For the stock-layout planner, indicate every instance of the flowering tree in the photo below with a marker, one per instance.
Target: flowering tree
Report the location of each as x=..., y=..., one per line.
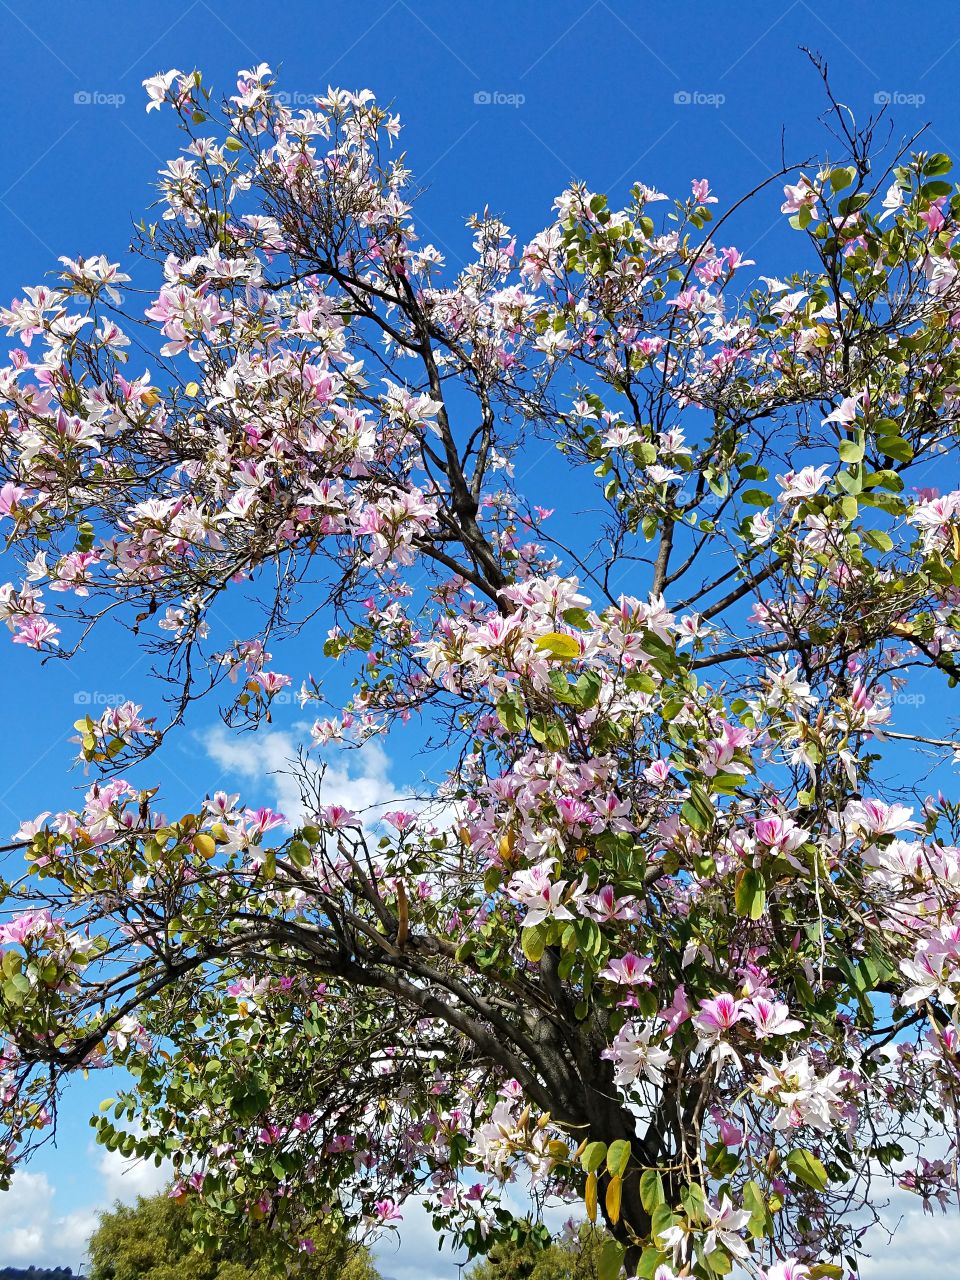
x=661, y=939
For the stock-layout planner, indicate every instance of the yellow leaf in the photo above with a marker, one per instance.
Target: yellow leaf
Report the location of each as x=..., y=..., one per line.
x=613, y=1197
x=205, y=845
x=559, y=645
x=508, y=843
x=590, y=1197
x=192, y=389
x=150, y=397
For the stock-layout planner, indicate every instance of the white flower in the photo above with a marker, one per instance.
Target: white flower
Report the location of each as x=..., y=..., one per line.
x=725, y=1225
x=542, y=897
x=796, y=485
x=803, y=1097
x=634, y=1055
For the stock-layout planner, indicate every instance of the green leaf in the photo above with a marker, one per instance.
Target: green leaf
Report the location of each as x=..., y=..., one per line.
x=661, y=1220
x=611, y=1260
x=592, y=1156
x=877, y=539
x=851, y=451
x=299, y=854
x=492, y=879
x=651, y=1190
x=750, y=894
x=885, y=479
x=697, y=811
x=719, y=1262
x=842, y=178
x=760, y=1223
x=937, y=164
x=650, y=1259
x=895, y=447
x=533, y=941
x=550, y=732
x=578, y=618
x=756, y=497
x=691, y=1198
x=587, y=690
x=511, y=713
x=805, y=1166
x=618, y=1158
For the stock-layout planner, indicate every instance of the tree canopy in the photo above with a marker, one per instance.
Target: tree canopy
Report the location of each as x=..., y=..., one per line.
x=652, y=546
x=153, y=1240
x=577, y=1258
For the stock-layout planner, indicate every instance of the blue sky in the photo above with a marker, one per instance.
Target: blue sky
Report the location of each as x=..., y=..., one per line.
x=502, y=104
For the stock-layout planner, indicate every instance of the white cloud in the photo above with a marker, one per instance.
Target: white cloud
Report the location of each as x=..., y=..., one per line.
x=35, y=1230
x=124, y=1179
x=923, y=1247
x=357, y=778
x=412, y=1254
x=31, y=1231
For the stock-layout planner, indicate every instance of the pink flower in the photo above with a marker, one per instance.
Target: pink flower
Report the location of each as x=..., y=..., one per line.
x=542, y=896
x=933, y=216
x=846, y=413
x=875, y=818
x=604, y=905
x=780, y=836
x=658, y=773
x=400, y=819
x=10, y=496
x=677, y=1011
x=271, y=682
x=35, y=631
x=717, y=1016
x=387, y=1211
x=263, y=820
x=730, y=1134
x=701, y=191
x=800, y=196
x=629, y=970
x=337, y=817
x=573, y=812
x=771, y=1018
x=735, y=259
x=36, y=924
x=790, y=1269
